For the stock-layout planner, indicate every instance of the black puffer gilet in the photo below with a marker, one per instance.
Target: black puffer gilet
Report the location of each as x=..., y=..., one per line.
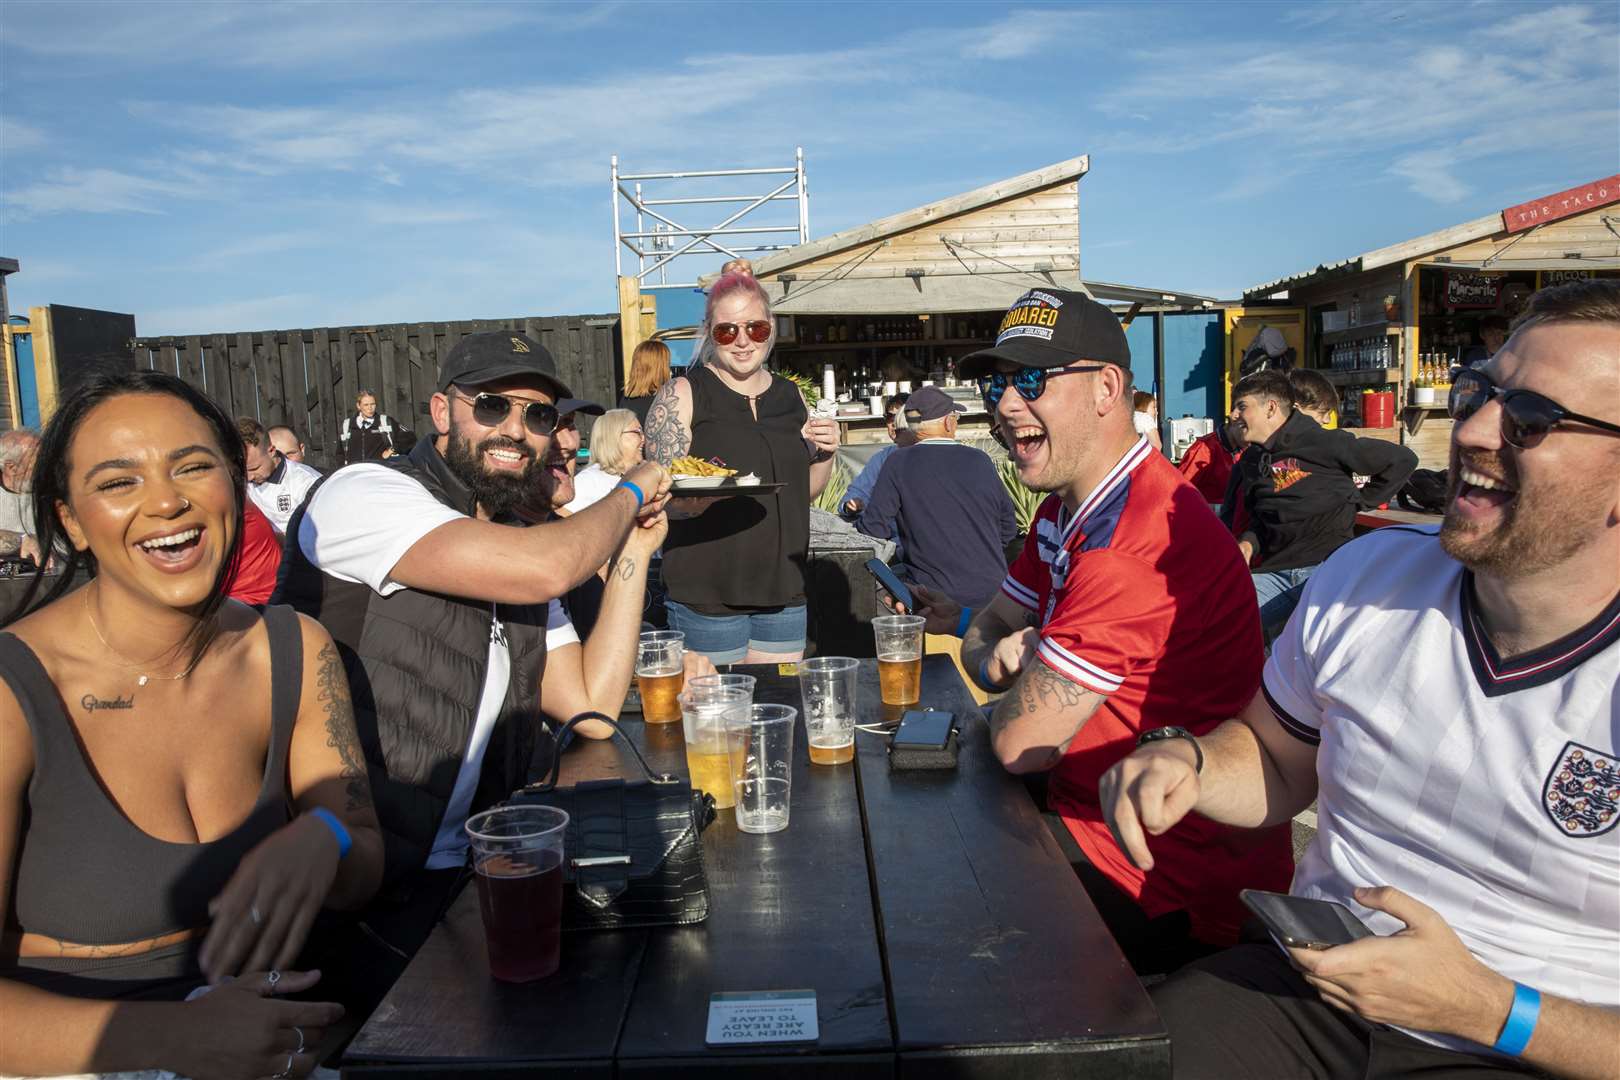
x=416, y=663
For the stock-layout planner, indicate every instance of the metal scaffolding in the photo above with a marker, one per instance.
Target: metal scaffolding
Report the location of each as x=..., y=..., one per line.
x=657, y=248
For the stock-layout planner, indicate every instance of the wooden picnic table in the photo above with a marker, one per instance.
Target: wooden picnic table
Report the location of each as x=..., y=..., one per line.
x=932, y=914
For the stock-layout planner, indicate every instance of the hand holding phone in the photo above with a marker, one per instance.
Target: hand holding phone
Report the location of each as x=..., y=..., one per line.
x=1302, y=922
x=890, y=584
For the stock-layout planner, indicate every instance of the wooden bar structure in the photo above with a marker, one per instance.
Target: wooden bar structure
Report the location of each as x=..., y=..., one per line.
x=1415, y=295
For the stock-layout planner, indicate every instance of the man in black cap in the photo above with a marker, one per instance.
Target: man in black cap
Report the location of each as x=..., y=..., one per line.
x=1129, y=616
x=441, y=608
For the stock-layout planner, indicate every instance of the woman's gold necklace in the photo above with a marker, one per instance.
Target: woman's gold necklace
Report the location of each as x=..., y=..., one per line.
x=90, y=611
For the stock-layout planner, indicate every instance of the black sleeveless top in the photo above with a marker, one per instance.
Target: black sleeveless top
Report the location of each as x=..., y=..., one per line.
x=86, y=874
x=745, y=554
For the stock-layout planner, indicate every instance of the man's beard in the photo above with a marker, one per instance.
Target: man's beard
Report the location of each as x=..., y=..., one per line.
x=1541, y=526
x=497, y=493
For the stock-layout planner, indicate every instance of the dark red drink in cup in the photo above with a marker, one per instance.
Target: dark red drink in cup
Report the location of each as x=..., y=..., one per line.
x=518, y=853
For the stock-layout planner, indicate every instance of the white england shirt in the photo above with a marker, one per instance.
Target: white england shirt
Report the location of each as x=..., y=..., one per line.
x=1486, y=788
x=283, y=491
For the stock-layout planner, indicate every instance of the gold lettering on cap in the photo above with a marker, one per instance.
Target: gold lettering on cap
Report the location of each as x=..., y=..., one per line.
x=519, y=345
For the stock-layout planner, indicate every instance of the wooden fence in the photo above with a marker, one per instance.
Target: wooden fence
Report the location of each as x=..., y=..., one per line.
x=309, y=378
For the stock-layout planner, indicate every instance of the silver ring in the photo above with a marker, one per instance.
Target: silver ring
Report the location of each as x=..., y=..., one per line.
x=272, y=977
x=253, y=913
x=284, y=1073
x=300, y=1032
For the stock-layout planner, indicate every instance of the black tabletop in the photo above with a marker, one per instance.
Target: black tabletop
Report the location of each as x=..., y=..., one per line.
x=932, y=914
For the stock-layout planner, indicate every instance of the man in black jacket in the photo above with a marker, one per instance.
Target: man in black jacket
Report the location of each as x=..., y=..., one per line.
x=1298, y=483
x=442, y=606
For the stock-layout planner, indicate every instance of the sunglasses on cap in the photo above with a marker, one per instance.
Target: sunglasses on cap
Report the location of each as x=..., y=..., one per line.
x=1028, y=381
x=491, y=410
x=1527, y=416
x=758, y=330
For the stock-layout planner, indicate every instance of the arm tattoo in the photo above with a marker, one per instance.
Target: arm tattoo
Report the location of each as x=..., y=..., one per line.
x=334, y=696
x=667, y=438
x=624, y=569
x=1038, y=689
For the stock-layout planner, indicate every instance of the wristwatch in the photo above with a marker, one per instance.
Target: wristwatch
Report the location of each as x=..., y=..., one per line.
x=1155, y=734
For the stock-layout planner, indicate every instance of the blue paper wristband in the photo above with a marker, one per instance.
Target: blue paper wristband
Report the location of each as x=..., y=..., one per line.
x=641, y=499
x=1521, y=1021
x=962, y=623
x=330, y=820
x=984, y=677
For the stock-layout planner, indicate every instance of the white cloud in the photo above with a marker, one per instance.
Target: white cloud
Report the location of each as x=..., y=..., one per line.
x=1432, y=106
x=16, y=135
x=253, y=313
x=359, y=35
x=99, y=191
x=1027, y=33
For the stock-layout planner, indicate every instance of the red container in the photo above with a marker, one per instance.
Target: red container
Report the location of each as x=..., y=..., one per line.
x=1378, y=408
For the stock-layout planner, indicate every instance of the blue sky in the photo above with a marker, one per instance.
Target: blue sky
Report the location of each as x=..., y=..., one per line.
x=221, y=167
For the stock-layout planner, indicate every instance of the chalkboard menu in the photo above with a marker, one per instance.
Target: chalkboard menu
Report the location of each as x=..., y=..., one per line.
x=1472, y=289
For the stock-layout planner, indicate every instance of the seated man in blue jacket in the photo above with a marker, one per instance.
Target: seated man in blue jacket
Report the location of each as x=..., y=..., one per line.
x=1298, y=483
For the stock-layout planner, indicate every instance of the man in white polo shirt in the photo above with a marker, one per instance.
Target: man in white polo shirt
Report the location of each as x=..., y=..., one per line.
x=1450, y=701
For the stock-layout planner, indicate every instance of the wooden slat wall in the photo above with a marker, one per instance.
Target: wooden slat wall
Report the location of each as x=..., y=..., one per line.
x=309, y=378
x=1585, y=233
x=1042, y=227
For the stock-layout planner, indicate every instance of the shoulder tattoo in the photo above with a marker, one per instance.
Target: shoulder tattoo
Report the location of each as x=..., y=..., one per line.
x=333, y=694
x=667, y=438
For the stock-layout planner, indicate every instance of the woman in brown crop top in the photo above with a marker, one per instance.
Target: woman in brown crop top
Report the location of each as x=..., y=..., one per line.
x=181, y=785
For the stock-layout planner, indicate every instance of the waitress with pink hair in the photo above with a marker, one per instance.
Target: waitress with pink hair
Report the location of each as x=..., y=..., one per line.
x=735, y=570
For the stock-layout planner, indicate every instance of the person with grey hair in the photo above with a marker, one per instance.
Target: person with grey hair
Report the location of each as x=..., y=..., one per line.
x=17, y=534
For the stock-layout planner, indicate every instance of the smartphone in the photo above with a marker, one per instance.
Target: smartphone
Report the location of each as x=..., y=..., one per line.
x=892, y=585
x=924, y=729
x=1300, y=922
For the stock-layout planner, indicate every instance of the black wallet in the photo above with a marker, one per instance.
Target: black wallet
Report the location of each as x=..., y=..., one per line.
x=925, y=740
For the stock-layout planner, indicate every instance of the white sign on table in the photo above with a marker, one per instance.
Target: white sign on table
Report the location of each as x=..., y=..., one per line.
x=762, y=1016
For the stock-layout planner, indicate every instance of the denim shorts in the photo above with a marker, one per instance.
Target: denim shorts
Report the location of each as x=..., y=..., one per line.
x=726, y=639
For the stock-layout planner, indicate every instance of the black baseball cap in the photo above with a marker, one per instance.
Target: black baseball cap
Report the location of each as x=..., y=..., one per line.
x=930, y=403
x=489, y=355
x=1048, y=328
x=578, y=405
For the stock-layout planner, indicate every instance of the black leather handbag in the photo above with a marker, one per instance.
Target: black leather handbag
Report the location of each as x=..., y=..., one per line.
x=633, y=851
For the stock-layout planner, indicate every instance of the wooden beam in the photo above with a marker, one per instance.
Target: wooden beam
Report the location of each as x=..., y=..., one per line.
x=39, y=320
x=13, y=392
x=1435, y=241
x=630, y=321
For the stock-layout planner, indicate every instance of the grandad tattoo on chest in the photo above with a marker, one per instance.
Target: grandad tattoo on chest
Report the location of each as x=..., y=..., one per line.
x=90, y=703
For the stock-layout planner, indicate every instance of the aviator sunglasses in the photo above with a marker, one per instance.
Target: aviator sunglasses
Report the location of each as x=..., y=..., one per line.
x=759, y=332
x=1527, y=416
x=491, y=410
x=1029, y=382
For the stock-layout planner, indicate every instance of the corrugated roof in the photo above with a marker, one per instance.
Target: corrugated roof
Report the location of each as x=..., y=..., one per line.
x=1439, y=240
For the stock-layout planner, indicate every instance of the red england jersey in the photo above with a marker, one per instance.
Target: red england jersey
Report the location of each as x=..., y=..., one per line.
x=257, y=559
x=1207, y=466
x=1141, y=596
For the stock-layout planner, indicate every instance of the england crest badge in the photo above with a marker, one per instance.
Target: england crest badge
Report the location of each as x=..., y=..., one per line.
x=1582, y=792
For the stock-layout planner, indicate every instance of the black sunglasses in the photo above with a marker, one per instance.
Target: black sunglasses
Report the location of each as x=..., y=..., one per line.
x=1527, y=416
x=491, y=410
x=1029, y=382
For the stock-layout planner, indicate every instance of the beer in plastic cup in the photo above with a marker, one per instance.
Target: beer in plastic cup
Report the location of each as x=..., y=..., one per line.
x=765, y=782
x=661, y=674
x=827, y=688
x=899, y=657
x=712, y=718
x=518, y=856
